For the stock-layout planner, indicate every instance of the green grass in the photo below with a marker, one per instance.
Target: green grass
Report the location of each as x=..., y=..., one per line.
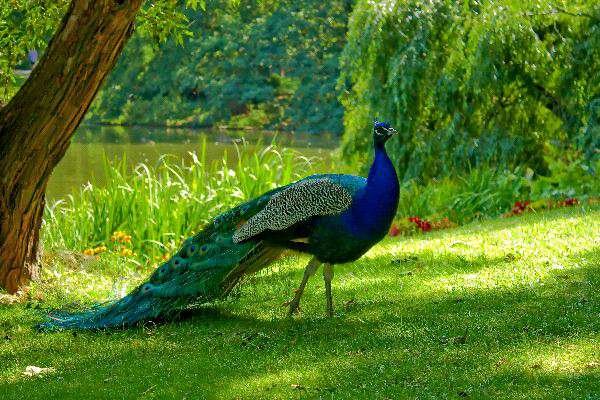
x=507, y=308
x=161, y=205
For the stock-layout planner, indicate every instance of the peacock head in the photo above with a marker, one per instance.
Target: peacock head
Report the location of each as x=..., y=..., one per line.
x=382, y=131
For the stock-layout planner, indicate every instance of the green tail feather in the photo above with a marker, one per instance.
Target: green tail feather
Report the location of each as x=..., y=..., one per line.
x=127, y=311
x=207, y=267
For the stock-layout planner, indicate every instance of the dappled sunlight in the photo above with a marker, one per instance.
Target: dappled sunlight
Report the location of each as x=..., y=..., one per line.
x=569, y=356
x=301, y=380
x=86, y=278
x=442, y=313
x=511, y=275
x=521, y=239
x=353, y=281
x=513, y=256
x=186, y=215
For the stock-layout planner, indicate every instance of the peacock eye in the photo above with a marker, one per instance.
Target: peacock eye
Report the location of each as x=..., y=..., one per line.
x=204, y=248
x=193, y=248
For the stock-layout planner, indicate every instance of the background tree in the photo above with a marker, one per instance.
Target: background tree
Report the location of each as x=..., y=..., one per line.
x=37, y=123
x=471, y=83
x=266, y=65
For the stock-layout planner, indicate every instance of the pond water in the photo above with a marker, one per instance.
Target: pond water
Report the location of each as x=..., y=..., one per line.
x=84, y=160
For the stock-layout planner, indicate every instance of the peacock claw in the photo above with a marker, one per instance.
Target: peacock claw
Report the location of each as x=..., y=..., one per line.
x=294, y=304
x=294, y=309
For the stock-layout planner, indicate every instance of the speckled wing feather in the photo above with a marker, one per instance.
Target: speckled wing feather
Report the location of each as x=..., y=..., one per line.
x=298, y=202
x=211, y=263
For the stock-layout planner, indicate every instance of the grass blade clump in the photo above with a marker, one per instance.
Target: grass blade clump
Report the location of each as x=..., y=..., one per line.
x=155, y=206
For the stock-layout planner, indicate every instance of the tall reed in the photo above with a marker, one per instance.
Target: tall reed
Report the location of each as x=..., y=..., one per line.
x=160, y=205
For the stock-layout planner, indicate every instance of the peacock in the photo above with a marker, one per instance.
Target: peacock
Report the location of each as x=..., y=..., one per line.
x=336, y=218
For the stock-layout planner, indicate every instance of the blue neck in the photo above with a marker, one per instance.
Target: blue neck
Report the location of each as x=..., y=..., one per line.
x=376, y=207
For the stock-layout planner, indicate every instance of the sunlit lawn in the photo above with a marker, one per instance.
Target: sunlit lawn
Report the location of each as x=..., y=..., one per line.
x=502, y=309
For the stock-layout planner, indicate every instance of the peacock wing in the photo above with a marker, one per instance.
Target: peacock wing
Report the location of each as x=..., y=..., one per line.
x=297, y=202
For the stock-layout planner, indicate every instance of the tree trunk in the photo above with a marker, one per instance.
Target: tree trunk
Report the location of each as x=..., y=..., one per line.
x=37, y=124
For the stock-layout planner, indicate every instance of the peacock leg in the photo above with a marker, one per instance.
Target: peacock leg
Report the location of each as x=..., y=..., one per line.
x=328, y=277
x=309, y=271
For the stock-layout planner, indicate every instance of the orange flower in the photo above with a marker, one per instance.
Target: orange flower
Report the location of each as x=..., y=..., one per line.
x=95, y=250
x=126, y=252
x=443, y=223
x=121, y=237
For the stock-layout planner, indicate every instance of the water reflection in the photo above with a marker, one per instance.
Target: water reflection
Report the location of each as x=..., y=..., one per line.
x=83, y=161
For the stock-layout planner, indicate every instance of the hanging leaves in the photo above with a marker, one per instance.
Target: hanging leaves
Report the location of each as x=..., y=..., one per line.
x=471, y=83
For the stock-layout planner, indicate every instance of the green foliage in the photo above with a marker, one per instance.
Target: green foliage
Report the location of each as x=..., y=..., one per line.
x=570, y=176
x=30, y=24
x=483, y=193
x=487, y=193
x=266, y=65
x=471, y=83
x=24, y=25
x=159, y=206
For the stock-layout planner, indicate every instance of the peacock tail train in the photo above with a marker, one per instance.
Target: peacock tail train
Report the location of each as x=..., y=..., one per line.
x=334, y=217
x=207, y=267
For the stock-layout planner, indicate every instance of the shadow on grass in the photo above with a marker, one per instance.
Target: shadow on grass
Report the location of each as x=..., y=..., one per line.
x=478, y=342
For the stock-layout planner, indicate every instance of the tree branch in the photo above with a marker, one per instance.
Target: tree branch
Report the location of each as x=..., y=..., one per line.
x=547, y=98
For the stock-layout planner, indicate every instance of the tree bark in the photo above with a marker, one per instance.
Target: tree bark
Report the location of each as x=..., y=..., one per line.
x=36, y=126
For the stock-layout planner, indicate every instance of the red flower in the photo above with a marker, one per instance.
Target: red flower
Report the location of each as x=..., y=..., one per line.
x=571, y=201
x=520, y=206
x=394, y=231
x=424, y=225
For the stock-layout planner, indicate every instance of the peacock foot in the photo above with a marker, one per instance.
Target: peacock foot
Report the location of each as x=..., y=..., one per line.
x=293, y=305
